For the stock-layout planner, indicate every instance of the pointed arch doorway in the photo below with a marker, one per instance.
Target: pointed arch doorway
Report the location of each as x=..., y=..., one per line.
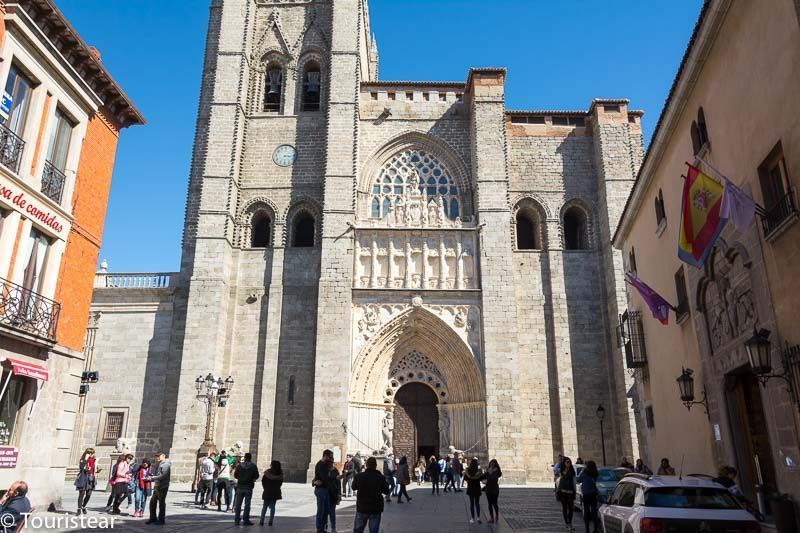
x=416, y=422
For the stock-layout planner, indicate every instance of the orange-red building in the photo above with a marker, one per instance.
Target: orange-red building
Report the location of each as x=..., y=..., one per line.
x=61, y=114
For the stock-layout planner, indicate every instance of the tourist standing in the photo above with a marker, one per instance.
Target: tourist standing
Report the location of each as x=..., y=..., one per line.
x=85, y=481
x=642, y=468
x=403, y=479
x=159, y=499
x=665, y=469
x=224, y=464
x=370, y=487
x=589, y=493
x=207, y=468
x=335, y=487
x=448, y=474
x=246, y=475
x=271, y=481
x=121, y=480
x=347, y=477
x=418, y=472
x=388, y=472
x=458, y=471
x=442, y=471
x=492, y=488
x=565, y=490
x=474, y=475
x=625, y=463
x=321, y=490
x=433, y=473
x=142, y=487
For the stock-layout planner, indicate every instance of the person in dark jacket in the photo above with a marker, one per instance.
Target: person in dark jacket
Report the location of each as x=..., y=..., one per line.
x=246, y=475
x=271, y=481
x=14, y=505
x=85, y=482
x=159, y=499
x=371, y=487
x=492, y=488
x=434, y=472
x=321, y=489
x=565, y=490
x=474, y=475
x=589, y=493
x=403, y=479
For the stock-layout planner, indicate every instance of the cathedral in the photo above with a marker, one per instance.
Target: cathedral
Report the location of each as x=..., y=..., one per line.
x=376, y=264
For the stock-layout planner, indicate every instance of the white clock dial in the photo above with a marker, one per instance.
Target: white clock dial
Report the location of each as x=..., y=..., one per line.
x=284, y=155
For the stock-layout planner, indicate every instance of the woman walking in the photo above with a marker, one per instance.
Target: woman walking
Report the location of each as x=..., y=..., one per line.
x=271, y=481
x=418, y=472
x=121, y=480
x=566, y=491
x=492, y=488
x=589, y=493
x=85, y=481
x=474, y=475
x=433, y=473
x=403, y=479
x=142, y=487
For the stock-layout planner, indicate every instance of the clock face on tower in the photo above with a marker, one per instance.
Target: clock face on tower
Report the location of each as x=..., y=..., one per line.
x=284, y=155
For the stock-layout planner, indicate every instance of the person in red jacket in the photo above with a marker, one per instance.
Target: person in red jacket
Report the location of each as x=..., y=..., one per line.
x=143, y=487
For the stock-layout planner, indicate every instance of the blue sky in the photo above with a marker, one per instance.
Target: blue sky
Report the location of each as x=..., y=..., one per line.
x=559, y=55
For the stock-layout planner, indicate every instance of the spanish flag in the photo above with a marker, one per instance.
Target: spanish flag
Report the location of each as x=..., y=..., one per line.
x=700, y=219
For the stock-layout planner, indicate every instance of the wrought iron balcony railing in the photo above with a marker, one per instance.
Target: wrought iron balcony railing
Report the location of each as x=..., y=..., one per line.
x=631, y=337
x=53, y=181
x=775, y=215
x=11, y=147
x=28, y=311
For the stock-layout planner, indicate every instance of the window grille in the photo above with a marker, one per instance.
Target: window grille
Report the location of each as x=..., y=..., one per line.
x=631, y=338
x=113, y=429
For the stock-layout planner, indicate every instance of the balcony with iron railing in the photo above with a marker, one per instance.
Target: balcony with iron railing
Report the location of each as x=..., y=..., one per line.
x=28, y=312
x=775, y=217
x=11, y=147
x=53, y=181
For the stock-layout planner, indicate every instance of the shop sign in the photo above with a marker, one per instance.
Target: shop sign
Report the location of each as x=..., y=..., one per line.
x=31, y=207
x=5, y=106
x=8, y=457
x=29, y=370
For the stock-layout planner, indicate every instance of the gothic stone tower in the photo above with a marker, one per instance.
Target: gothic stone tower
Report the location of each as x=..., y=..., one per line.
x=402, y=264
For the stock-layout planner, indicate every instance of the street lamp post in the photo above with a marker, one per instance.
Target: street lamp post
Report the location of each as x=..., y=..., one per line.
x=601, y=414
x=213, y=392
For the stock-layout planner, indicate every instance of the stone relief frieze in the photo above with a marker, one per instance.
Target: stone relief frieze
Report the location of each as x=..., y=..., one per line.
x=370, y=317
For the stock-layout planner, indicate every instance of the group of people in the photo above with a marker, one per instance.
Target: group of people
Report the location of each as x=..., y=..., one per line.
x=373, y=488
x=127, y=480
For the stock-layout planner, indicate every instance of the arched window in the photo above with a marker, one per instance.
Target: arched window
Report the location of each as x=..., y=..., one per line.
x=701, y=126
x=312, y=87
x=304, y=229
x=527, y=233
x=397, y=177
x=273, y=88
x=575, y=235
x=260, y=230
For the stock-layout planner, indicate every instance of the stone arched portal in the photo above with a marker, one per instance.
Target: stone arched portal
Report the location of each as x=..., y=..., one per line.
x=417, y=346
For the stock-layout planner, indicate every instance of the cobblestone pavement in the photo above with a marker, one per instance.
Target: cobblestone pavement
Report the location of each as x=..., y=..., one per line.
x=524, y=509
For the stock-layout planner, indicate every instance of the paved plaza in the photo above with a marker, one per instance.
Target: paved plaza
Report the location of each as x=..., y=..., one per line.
x=523, y=509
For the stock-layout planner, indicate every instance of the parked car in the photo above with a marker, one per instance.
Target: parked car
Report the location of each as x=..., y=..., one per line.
x=607, y=479
x=662, y=504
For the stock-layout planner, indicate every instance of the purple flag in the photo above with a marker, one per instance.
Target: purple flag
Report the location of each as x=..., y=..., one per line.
x=658, y=305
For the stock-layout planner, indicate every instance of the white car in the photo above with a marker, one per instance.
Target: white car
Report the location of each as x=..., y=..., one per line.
x=668, y=504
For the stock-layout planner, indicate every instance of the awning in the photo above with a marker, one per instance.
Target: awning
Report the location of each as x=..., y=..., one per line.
x=31, y=370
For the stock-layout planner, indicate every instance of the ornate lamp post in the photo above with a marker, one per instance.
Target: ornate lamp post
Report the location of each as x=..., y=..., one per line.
x=601, y=414
x=213, y=392
x=759, y=352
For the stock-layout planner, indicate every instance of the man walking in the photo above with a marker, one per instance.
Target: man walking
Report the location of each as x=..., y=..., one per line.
x=458, y=470
x=246, y=474
x=322, y=490
x=370, y=486
x=160, y=490
x=207, y=468
x=388, y=473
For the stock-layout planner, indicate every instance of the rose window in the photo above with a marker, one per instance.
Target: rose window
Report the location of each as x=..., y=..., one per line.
x=407, y=170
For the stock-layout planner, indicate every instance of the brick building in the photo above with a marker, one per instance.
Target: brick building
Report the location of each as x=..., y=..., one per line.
x=376, y=263
x=60, y=120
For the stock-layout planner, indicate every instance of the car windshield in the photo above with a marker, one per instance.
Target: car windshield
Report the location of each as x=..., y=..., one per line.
x=608, y=474
x=689, y=498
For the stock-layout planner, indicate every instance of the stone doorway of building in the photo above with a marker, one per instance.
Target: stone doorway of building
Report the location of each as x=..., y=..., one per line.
x=750, y=433
x=416, y=422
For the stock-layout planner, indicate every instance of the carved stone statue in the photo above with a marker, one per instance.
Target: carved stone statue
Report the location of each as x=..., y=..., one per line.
x=369, y=324
x=237, y=450
x=452, y=450
x=122, y=446
x=444, y=427
x=388, y=429
x=460, y=320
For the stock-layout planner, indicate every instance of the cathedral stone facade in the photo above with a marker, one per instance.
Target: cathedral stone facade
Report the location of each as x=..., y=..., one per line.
x=376, y=263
